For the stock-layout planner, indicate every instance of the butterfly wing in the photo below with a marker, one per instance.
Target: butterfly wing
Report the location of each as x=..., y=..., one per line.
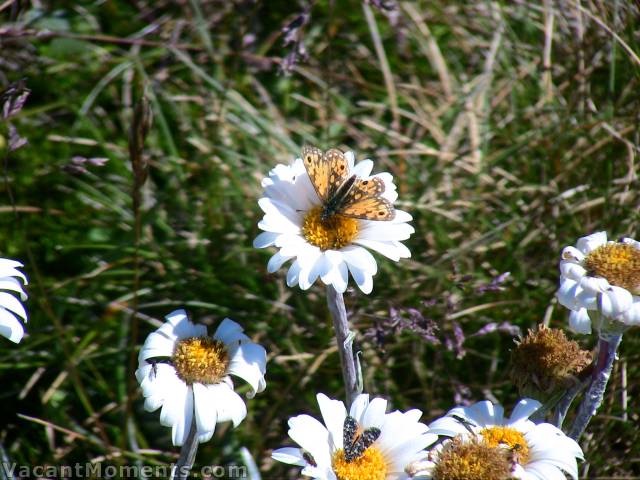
x=349, y=430
x=327, y=170
x=364, y=201
x=338, y=170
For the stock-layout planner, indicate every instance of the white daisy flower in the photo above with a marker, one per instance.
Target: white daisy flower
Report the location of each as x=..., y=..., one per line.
x=326, y=249
x=603, y=276
x=186, y=372
x=536, y=452
x=10, y=307
x=366, y=444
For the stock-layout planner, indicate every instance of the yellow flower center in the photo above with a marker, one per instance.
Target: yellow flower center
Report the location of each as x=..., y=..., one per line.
x=371, y=465
x=331, y=234
x=509, y=437
x=471, y=459
x=200, y=360
x=619, y=263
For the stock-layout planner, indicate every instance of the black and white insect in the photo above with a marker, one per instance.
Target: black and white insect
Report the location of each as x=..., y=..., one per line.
x=465, y=423
x=154, y=361
x=356, y=440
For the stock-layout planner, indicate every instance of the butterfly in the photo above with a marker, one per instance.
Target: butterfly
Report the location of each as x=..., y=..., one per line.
x=341, y=192
x=356, y=441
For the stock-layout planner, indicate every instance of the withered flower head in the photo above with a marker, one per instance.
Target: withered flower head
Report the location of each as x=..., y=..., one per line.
x=545, y=360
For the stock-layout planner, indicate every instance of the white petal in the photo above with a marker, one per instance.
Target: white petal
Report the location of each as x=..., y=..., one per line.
x=631, y=241
x=158, y=384
x=572, y=254
x=587, y=299
x=8, y=263
x=11, y=303
x=402, y=217
x=388, y=249
x=523, y=410
x=174, y=404
x=156, y=345
x=292, y=456
x=8, y=269
x=229, y=331
x=359, y=406
x=632, y=315
x=351, y=158
x=447, y=426
x=10, y=283
x=180, y=326
x=567, y=293
x=591, y=242
x=382, y=232
x=375, y=413
x=579, y=321
x=333, y=414
x=363, y=169
x=312, y=436
x=363, y=279
x=228, y=404
x=265, y=239
x=180, y=429
x=293, y=274
x=614, y=301
x=249, y=363
x=361, y=258
x=205, y=411
x=572, y=270
x=204, y=437
x=10, y=327
x=594, y=284
x=276, y=261
x=340, y=277
x=482, y=413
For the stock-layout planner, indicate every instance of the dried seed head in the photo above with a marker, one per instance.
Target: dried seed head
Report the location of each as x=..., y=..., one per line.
x=465, y=459
x=545, y=360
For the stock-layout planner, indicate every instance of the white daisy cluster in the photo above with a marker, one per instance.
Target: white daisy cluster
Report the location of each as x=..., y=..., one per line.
x=319, y=254
x=11, y=310
x=601, y=277
x=187, y=373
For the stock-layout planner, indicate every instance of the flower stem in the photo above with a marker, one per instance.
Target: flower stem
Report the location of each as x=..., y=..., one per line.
x=187, y=453
x=344, y=339
x=607, y=347
x=561, y=409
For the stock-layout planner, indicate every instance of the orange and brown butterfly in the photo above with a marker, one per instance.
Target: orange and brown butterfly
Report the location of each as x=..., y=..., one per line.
x=341, y=192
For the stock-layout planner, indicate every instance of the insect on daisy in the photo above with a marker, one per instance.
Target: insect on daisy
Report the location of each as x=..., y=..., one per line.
x=365, y=443
x=324, y=212
x=343, y=193
x=482, y=440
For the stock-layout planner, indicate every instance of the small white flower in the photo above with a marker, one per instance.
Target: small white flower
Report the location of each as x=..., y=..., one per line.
x=603, y=276
x=10, y=306
x=539, y=452
x=395, y=440
x=186, y=372
x=320, y=251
